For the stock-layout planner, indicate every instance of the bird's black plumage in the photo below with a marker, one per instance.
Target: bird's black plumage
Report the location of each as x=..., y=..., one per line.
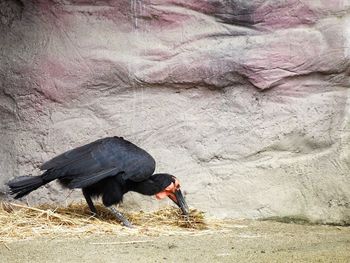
x=108, y=167
x=88, y=164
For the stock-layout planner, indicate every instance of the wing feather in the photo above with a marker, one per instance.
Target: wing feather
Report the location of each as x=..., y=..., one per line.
x=84, y=181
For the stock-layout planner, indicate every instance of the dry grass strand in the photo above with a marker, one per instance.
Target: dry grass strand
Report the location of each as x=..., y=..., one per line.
x=20, y=222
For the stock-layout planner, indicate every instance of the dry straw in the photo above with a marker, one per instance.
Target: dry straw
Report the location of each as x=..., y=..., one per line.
x=20, y=222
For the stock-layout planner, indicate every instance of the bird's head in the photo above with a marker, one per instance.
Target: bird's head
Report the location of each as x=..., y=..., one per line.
x=170, y=187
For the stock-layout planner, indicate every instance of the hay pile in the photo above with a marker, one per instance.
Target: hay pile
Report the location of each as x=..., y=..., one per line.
x=18, y=222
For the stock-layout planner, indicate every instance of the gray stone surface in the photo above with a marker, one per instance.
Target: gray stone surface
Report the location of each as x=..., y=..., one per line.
x=247, y=102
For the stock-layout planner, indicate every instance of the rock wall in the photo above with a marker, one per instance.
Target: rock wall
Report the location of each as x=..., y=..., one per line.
x=247, y=102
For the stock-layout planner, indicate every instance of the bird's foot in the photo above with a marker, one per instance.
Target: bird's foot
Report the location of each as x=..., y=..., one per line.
x=128, y=224
x=121, y=217
x=95, y=215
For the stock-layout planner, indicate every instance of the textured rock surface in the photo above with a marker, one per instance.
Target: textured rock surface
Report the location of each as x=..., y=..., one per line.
x=247, y=103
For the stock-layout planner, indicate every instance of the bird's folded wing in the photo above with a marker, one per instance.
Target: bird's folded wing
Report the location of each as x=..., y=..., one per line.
x=89, y=179
x=106, y=157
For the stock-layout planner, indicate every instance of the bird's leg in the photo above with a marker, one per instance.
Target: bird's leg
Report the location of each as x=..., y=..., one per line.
x=89, y=202
x=120, y=217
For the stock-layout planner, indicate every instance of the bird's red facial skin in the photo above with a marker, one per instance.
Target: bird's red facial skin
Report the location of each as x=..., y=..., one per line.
x=169, y=191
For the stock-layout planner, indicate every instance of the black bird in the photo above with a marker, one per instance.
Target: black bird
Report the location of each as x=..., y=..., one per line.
x=108, y=167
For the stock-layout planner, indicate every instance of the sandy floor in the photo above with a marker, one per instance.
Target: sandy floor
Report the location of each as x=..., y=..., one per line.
x=238, y=241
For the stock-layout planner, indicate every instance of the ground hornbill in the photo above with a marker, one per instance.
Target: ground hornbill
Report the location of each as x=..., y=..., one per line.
x=109, y=168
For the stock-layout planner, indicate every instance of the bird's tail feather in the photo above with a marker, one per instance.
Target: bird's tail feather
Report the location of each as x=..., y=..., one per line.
x=23, y=185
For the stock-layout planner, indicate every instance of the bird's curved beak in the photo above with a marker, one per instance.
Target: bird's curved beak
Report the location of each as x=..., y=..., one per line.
x=179, y=200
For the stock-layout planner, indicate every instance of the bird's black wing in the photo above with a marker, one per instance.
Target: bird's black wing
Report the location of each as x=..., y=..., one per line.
x=88, y=164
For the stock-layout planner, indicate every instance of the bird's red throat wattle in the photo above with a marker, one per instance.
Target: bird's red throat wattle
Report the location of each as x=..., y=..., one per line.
x=169, y=191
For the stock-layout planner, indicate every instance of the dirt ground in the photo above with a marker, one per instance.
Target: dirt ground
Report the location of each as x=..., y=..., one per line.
x=236, y=241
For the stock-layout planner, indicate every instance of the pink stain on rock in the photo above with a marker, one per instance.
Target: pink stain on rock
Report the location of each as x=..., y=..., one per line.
x=59, y=80
x=264, y=61
x=284, y=14
x=284, y=55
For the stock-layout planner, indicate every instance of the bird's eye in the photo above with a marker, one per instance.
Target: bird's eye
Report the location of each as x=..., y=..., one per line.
x=177, y=184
